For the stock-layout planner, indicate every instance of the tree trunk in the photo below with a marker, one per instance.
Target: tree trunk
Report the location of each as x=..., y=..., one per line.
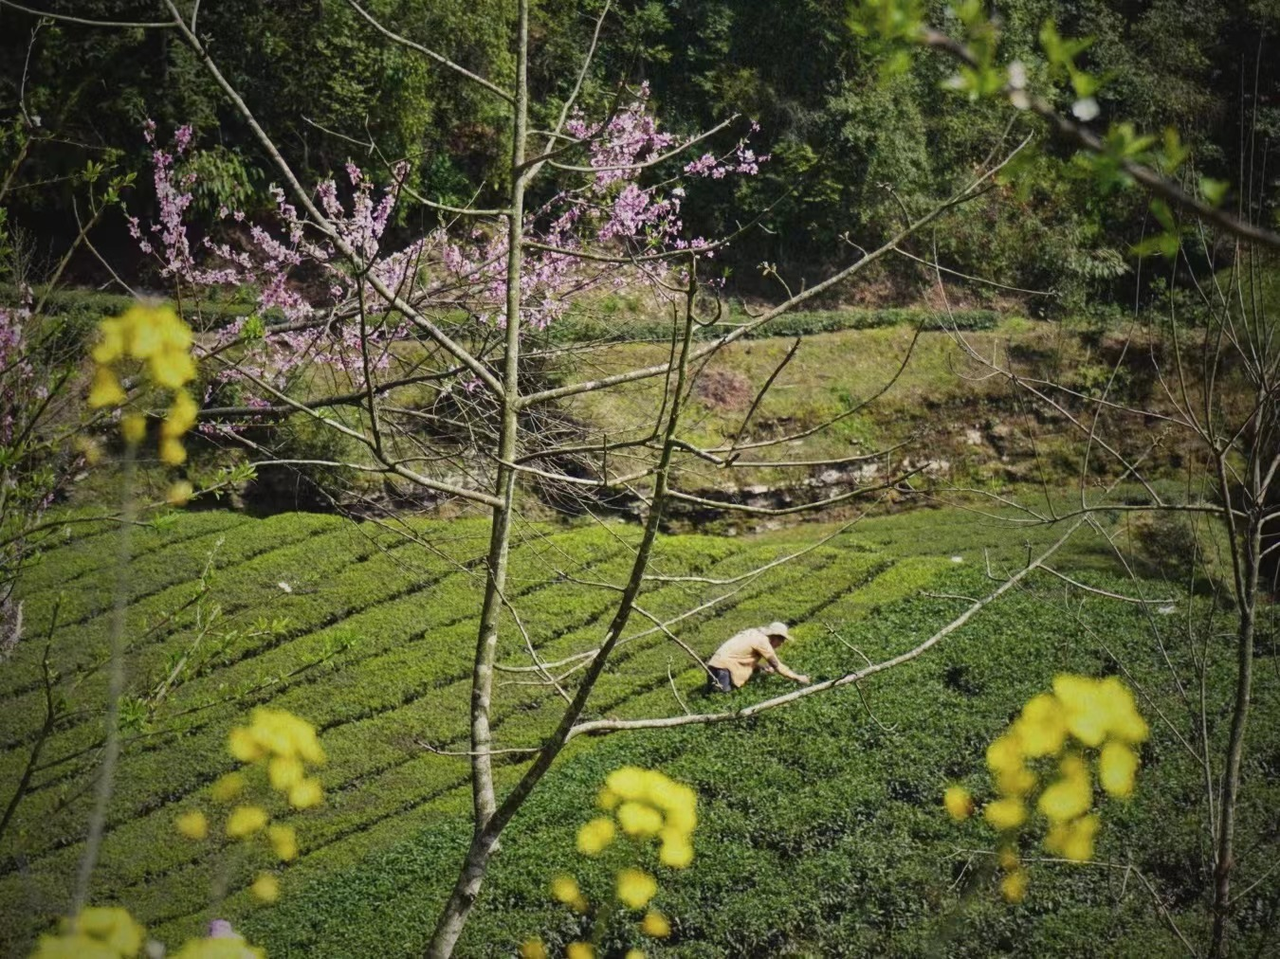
x=1224, y=864
x=483, y=800
x=453, y=917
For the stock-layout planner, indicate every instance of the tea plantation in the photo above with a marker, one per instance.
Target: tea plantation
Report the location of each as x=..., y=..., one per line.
x=821, y=828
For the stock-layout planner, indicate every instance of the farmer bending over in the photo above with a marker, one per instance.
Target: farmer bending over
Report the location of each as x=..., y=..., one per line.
x=752, y=649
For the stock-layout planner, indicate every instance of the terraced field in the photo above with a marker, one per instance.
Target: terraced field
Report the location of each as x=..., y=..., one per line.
x=368, y=632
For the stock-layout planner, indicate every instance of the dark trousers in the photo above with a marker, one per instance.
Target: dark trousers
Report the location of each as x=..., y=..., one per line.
x=720, y=681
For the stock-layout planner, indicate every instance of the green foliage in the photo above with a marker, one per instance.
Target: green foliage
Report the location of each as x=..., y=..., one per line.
x=834, y=813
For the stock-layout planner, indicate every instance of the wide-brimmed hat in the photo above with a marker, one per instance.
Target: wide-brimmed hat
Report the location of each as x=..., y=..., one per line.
x=777, y=629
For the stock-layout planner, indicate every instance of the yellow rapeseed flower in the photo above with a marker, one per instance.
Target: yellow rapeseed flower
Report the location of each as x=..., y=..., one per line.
x=266, y=887
x=220, y=948
x=639, y=819
x=284, y=842
x=106, y=389
x=533, y=949
x=1042, y=726
x=594, y=836
x=1015, y=782
x=181, y=415
x=285, y=772
x=565, y=889
x=172, y=452
x=629, y=782
x=245, y=821
x=306, y=794
x=72, y=945
x=1087, y=711
x=1005, y=754
x=192, y=824
x=179, y=493
x=244, y=745
x=111, y=926
x=228, y=787
x=676, y=850
x=1008, y=859
x=111, y=342
x=133, y=428
x=1004, y=814
x=678, y=802
x=958, y=802
x=635, y=888
x=1014, y=886
x=607, y=799
x=1070, y=795
x=1124, y=721
x=1117, y=765
x=1074, y=839
x=655, y=924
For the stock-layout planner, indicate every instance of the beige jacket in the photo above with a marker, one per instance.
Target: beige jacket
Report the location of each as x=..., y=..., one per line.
x=741, y=654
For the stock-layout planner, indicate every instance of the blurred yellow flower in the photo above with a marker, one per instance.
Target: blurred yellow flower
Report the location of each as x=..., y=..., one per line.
x=1070, y=795
x=607, y=799
x=133, y=427
x=106, y=389
x=233, y=947
x=179, y=493
x=72, y=945
x=1005, y=754
x=1042, y=726
x=228, y=787
x=112, y=926
x=172, y=452
x=629, y=782
x=1117, y=766
x=1007, y=857
x=958, y=802
x=655, y=924
x=1014, y=886
x=1098, y=709
x=284, y=842
x=565, y=889
x=243, y=746
x=181, y=416
x=1015, y=782
x=580, y=950
x=245, y=821
x=285, y=772
x=1074, y=839
x=1124, y=721
x=306, y=794
x=639, y=819
x=266, y=887
x=1003, y=814
x=636, y=888
x=594, y=836
x=676, y=850
x=192, y=824
x=111, y=343
x=533, y=949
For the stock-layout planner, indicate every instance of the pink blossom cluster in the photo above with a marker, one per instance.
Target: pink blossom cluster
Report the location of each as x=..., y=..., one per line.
x=632, y=227
x=741, y=159
x=21, y=387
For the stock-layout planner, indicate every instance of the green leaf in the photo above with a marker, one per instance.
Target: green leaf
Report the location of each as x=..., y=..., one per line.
x=1214, y=191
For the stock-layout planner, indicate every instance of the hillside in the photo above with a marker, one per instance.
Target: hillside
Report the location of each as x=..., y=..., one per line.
x=826, y=813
